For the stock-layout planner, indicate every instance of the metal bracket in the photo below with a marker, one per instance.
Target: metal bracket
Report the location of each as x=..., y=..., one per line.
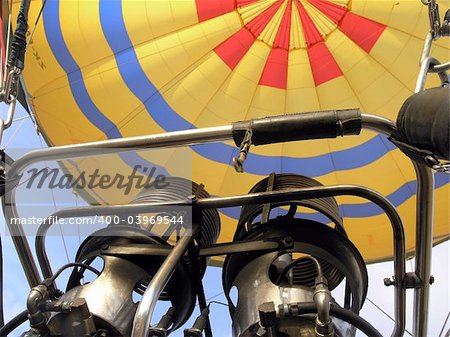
x=412, y=281
x=422, y=156
x=435, y=20
x=275, y=244
x=438, y=166
x=243, y=151
x=266, y=207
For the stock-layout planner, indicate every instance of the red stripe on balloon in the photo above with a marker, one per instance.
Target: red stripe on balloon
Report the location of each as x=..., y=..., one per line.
x=276, y=69
x=257, y=25
x=231, y=51
x=208, y=9
x=333, y=11
x=310, y=31
x=364, y=32
x=323, y=65
x=243, y=3
x=282, y=40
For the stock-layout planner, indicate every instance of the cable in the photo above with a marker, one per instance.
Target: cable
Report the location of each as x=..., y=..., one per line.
x=197, y=280
x=343, y=314
x=73, y=264
x=445, y=323
x=448, y=333
x=218, y=302
x=14, y=323
x=36, y=22
x=385, y=313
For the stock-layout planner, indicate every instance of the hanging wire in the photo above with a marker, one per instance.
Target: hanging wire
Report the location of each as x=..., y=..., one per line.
x=78, y=226
x=14, y=133
x=218, y=302
x=21, y=118
x=30, y=39
x=59, y=225
x=443, y=326
x=385, y=313
x=8, y=37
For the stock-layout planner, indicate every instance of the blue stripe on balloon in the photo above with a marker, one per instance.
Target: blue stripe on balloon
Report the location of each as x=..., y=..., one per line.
x=362, y=210
x=133, y=75
x=59, y=48
x=135, y=78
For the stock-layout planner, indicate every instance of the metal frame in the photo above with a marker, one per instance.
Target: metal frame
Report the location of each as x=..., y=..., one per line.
x=424, y=221
x=429, y=64
x=254, y=198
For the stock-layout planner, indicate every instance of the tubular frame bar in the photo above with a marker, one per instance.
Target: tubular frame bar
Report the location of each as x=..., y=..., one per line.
x=262, y=198
x=424, y=225
x=430, y=65
x=173, y=139
x=423, y=253
x=144, y=313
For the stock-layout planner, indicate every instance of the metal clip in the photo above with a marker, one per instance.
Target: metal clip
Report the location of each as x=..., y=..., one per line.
x=4, y=124
x=11, y=84
x=443, y=168
x=243, y=151
x=438, y=166
x=435, y=20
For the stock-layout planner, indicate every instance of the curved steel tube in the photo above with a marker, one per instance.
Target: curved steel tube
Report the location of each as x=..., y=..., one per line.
x=328, y=191
x=424, y=240
x=430, y=64
x=190, y=137
x=144, y=313
x=266, y=197
x=170, y=139
x=424, y=228
x=440, y=67
x=41, y=251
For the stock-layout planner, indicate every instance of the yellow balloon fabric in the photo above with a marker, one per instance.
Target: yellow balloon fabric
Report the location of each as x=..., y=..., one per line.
x=105, y=69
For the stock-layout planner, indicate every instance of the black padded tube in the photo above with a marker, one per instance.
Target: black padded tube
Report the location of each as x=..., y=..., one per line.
x=300, y=126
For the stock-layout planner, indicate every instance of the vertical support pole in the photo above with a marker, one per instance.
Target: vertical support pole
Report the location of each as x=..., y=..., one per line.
x=19, y=239
x=144, y=313
x=424, y=239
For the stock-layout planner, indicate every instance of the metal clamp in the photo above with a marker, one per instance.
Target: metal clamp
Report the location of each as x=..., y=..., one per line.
x=435, y=20
x=10, y=85
x=5, y=124
x=243, y=151
x=438, y=166
x=8, y=95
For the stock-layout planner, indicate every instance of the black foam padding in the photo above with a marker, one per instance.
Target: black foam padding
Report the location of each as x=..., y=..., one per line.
x=423, y=122
x=300, y=126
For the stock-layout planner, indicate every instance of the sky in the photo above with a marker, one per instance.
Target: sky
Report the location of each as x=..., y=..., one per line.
x=22, y=137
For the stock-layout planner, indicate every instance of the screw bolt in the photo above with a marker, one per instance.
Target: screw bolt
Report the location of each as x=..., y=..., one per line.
x=431, y=279
x=389, y=281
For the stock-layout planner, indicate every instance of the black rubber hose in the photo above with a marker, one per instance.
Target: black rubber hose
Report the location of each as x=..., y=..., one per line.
x=296, y=262
x=14, y=323
x=19, y=41
x=343, y=314
x=424, y=122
